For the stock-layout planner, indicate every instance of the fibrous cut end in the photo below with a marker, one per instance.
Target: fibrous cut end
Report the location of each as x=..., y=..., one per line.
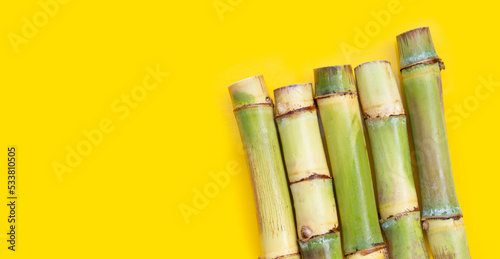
x=415, y=46
x=330, y=80
x=292, y=98
x=249, y=91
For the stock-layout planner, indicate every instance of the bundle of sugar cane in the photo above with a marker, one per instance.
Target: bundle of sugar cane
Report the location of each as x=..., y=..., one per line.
x=308, y=174
x=421, y=79
x=255, y=116
x=385, y=121
x=341, y=119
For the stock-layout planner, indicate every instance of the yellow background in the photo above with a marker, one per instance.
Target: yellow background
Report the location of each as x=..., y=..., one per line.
x=123, y=199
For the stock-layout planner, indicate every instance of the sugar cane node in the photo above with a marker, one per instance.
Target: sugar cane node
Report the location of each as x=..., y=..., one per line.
x=426, y=62
x=455, y=217
x=313, y=176
x=364, y=252
x=399, y=215
x=295, y=112
x=348, y=93
x=425, y=224
x=253, y=105
x=376, y=117
x=305, y=230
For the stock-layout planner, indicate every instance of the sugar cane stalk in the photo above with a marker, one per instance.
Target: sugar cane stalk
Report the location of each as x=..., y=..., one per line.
x=254, y=113
x=341, y=119
x=385, y=120
x=308, y=174
x=421, y=79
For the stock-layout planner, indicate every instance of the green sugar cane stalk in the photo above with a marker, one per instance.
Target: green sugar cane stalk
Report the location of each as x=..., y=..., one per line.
x=254, y=113
x=421, y=79
x=386, y=125
x=308, y=174
x=338, y=106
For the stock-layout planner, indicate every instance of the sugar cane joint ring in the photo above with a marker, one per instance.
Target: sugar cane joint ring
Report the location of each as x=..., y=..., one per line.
x=429, y=61
x=455, y=217
x=425, y=221
x=297, y=111
x=253, y=105
x=380, y=247
x=350, y=93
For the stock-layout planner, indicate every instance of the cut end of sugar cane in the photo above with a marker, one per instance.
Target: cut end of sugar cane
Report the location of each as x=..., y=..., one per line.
x=248, y=92
x=329, y=80
x=379, y=95
x=415, y=46
x=292, y=98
